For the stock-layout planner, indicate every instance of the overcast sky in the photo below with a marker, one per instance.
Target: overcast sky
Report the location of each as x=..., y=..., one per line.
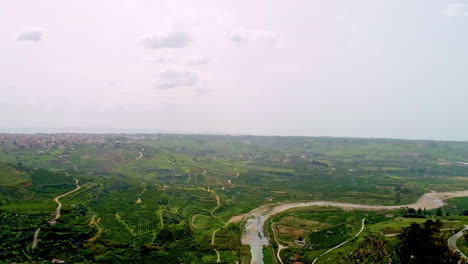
x=393, y=68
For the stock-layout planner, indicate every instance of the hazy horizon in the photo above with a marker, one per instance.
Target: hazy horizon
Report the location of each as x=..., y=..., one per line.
x=368, y=69
x=136, y=131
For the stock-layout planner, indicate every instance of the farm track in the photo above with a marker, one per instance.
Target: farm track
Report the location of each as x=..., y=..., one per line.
x=35, y=240
x=218, y=257
x=95, y=223
x=331, y=249
x=57, y=212
x=192, y=222
x=213, y=236
x=280, y=247
x=217, y=207
x=161, y=220
x=59, y=204
x=139, y=157
x=75, y=168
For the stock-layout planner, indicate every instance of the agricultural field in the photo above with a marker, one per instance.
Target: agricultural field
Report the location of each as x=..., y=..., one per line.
x=323, y=228
x=166, y=198
x=458, y=205
x=462, y=244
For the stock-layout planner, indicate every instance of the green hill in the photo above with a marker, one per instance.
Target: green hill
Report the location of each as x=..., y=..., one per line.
x=11, y=176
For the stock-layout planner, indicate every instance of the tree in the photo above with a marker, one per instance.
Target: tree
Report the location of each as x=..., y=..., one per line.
x=164, y=235
x=419, y=212
x=373, y=249
x=424, y=244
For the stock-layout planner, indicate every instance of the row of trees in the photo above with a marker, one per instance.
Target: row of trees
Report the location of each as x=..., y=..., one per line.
x=421, y=213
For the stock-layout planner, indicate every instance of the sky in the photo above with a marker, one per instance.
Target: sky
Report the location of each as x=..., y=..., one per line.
x=363, y=68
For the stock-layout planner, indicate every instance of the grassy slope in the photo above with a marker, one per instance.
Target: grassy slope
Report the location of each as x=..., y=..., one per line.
x=10, y=176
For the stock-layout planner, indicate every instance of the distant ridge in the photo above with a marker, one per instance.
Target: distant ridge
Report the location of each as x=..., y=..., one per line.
x=103, y=130
x=113, y=130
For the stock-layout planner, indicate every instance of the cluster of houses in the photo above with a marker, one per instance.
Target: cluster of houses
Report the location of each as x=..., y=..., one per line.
x=47, y=141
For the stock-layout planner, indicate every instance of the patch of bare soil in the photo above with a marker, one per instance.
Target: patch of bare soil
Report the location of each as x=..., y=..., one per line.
x=278, y=191
x=236, y=219
x=289, y=233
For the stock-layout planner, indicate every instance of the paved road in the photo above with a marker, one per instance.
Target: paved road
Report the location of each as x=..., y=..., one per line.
x=253, y=232
x=452, y=241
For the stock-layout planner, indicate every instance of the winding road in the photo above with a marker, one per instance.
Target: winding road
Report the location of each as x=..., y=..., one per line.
x=35, y=240
x=139, y=157
x=452, y=242
x=57, y=213
x=192, y=222
x=254, y=237
x=333, y=248
x=280, y=247
x=218, y=257
x=59, y=204
x=75, y=168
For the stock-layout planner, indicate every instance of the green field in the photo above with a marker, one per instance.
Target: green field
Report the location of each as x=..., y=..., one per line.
x=322, y=228
x=163, y=207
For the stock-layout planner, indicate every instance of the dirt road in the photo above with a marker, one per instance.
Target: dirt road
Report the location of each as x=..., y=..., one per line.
x=57, y=213
x=59, y=204
x=139, y=157
x=331, y=249
x=214, y=232
x=75, y=168
x=36, y=235
x=218, y=257
x=193, y=221
x=280, y=247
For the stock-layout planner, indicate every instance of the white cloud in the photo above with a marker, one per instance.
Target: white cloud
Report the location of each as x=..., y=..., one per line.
x=244, y=35
x=170, y=79
x=174, y=39
x=339, y=52
x=342, y=16
x=34, y=35
x=377, y=49
x=202, y=91
x=267, y=35
x=197, y=60
x=7, y=87
x=280, y=68
x=112, y=85
x=456, y=10
x=355, y=28
x=239, y=35
x=163, y=59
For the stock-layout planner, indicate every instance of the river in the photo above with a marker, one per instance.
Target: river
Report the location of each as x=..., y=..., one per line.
x=254, y=237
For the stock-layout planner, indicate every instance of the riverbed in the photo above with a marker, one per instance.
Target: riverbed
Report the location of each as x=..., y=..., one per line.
x=254, y=237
